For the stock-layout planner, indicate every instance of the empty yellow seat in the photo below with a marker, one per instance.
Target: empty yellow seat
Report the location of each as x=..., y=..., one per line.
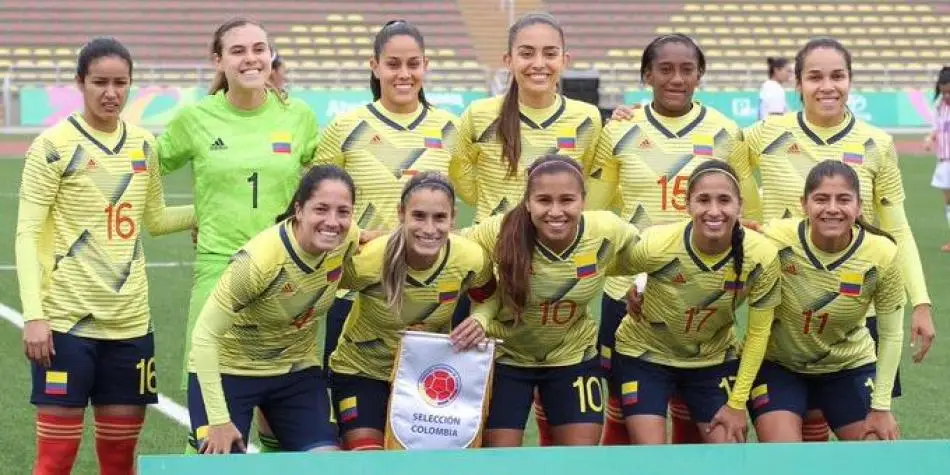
x=282, y=40
x=319, y=29
x=303, y=40
x=354, y=18
x=322, y=40
x=333, y=17
x=342, y=40
x=298, y=29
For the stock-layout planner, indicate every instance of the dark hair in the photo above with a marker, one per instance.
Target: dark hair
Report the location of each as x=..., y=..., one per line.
x=833, y=168
x=311, y=181
x=738, y=233
x=220, y=82
x=509, y=117
x=395, y=268
x=775, y=64
x=276, y=60
x=100, y=47
x=392, y=29
x=942, y=80
x=814, y=44
x=515, y=246
x=652, y=49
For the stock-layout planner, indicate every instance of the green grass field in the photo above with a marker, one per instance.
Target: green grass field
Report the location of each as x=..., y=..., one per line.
x=920, y=411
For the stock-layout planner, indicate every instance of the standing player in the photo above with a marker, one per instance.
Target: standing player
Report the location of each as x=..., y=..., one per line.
x=278, y=70
x=414, y=277
x=645, y=162
x=820, y=353
x=552, y=259
x=784, y=148
x=500, y=137
x=255, y=341
x=389, y=141
x=247, y=146
x=684, y=339
x=90, y=183
x=939, y=139
x=772, y=93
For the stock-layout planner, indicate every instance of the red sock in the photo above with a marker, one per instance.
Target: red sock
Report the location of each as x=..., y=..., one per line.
x=544, y=430
x=366, y=443
x=116, y=438
x=815, y=429
x=615, y=430
x=57, y=443
x=684, y=429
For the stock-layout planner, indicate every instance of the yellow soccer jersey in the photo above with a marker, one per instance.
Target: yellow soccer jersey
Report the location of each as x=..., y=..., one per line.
x=264, y=314
x=567, y=127
x=382, y=150
x=785, y=147
x=556, y=328
x=820, y=324
x=647, y=160
x=688, y=314
x=84, y=200
x=368, y=343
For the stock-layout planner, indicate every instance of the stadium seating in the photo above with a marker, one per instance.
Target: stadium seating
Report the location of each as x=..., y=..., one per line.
x=327, y=43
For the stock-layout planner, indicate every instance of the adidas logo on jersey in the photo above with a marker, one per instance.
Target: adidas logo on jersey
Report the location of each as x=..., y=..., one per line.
x=375, y=140
x=790, y=269
x=91, y=165
x=679, y=279
x=288, y=289
x=793, y=149
x=218, y=144
x=646, y=144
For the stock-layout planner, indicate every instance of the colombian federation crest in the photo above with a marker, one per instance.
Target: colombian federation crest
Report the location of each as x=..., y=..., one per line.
x=439, y=396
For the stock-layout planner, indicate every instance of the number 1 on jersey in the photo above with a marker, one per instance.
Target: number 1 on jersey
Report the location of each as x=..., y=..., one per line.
x=253, y=181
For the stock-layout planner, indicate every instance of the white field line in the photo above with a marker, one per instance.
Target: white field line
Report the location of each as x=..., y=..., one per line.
x=166, y=405
x=173, y=196
x=160, y=265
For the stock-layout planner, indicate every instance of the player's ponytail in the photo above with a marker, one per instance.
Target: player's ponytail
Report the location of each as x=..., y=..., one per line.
x=942, y=80
x=310, y=183
x=738, y=255
x=832, y=168
x=509, y=117
x=514, y=249
x=395, y=263
x=389, y=31
x=220, y=81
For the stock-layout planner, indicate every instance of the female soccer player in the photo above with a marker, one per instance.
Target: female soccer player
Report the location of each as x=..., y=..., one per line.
x=785, y=147
x=500, y=137
x=684, y=340
x=772, y=93
x=278, y=70
x=248, y=147
x=821, y=353
x=939, y=140
x=89, y=184
x=552, y=259
x=413, y=277
x=389, y=141
x=645, y=163
x=255, y=341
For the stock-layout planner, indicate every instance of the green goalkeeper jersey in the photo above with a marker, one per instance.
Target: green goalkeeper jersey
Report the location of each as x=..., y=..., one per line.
x=246, y=164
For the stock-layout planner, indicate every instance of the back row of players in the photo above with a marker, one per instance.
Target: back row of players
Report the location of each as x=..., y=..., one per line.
x=262, y=290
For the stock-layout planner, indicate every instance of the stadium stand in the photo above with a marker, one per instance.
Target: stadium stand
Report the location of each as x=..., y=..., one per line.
x=327, y=43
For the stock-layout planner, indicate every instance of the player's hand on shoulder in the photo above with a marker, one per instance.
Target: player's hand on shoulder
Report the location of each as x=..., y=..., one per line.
x=221, y=437
x=467, y=335
x=38, y=342
x=751, y=224
x=881, y=425
x=624, y=112
x=367, y=235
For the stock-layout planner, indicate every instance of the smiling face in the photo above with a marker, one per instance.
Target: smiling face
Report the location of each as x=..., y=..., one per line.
x=104, y=90
x=673, y=74
x=245, y=57
x=536, y=59
x=323, y=221
x=428, y=217
x=400, y=68
x=555, y=204
x=832, y=209
x=825, y=83
x=714, y=206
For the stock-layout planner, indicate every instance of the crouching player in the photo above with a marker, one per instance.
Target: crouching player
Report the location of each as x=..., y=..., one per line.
x=255, y=341
x=821, y=354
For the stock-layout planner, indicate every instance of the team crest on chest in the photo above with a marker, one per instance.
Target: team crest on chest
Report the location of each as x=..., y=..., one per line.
x=448, y=291
x=566, y=139
x=139, y=165
x=732, y=282
x=432, y=138
x=703, y=145
x=280, y=142
x=850, y=283
x=586, y=265
x=852, y=154
x=334, y=268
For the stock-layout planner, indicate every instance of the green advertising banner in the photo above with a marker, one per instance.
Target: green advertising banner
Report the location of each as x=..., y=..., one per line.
x=155, y=106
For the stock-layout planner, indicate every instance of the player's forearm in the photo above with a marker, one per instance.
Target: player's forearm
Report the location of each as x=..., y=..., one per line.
x=894, y=221
x=462, y=176
x=751, y=201
x=28, y=260
x=171, y=219
x=890, y=339
x=211, y=325
x=753, y=352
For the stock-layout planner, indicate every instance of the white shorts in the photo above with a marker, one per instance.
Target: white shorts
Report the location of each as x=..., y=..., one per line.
x=941, y=177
